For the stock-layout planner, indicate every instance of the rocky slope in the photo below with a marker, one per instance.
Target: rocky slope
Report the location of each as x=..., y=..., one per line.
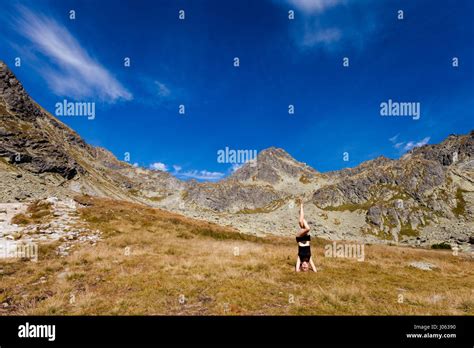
x=259, y=186
x=401, y=197
x=41, y=157
x=425, y=197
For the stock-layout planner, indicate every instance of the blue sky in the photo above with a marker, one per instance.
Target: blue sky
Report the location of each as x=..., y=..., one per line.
x=282, y=62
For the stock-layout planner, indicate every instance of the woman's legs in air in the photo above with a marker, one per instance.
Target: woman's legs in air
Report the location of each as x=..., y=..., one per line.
x=301, y=220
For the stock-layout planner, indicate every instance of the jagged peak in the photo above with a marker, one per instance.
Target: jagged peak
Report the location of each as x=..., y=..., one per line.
x=17, y=100
x=272, y=151
x=273, y=165
x=279, y=153
x=455, y=148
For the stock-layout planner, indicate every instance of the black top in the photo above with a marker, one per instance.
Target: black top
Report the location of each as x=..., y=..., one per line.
x=305, y=238
x=304, y=252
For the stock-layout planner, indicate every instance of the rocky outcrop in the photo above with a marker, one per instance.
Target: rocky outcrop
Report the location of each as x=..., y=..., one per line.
x=232, y=196
x=414, y=178
x=259, y=186
x=401, y=197
x=31, y=138
x=455, y=149
x=274, y=166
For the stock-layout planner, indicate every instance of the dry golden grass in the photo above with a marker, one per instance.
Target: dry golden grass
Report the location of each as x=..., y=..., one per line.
x=155, y=262
x=37, y=212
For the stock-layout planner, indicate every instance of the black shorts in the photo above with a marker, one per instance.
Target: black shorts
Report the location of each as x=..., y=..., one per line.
x=304, y=253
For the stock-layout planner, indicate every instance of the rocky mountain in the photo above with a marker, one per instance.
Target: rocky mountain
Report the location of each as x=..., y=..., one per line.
x=31, y=139
x=430, y=183
x=277, y=168
x=258, y=186
x=40, y=156
x=425, y=197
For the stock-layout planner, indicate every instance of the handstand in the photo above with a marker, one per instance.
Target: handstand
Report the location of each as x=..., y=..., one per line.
x=304, y=260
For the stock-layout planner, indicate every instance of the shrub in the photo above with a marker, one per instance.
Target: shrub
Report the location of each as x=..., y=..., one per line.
x=441, y=246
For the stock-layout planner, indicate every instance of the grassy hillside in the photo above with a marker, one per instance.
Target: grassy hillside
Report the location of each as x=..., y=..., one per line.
x=154, y=262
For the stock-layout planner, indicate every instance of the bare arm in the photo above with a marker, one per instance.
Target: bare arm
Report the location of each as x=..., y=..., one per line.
x=298, y=264
x=312, y=265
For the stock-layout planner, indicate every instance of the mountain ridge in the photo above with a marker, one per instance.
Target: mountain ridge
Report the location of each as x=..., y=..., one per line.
x=41, y=157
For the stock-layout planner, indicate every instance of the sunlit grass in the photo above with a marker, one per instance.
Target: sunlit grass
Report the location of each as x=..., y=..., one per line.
x=154, y=262
x=37, y=212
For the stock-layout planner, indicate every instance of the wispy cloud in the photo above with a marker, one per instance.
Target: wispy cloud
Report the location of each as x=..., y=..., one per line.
x=321, y=36
x=75, y=73
x=154, y=92
x=330, y=24
x=159, y=166
x=200, y=175
x=398, y=145
x=405, y=146
x=313, y=6
x=394, y=138
x=412, y=144
x=204, y=175
x=163, y=90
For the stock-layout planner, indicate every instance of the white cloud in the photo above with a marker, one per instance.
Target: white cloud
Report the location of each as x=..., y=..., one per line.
x=236, y=166
x=190, y=174
x=322, y=36
x=407, y=146
x=163, y=90
x=313, y=32
x=326, y=24
x=159, y=166
x=76, y=73
x=398, y=145
x=412, y=144
x=201, y=175
x=313, y=6
x=394, y=138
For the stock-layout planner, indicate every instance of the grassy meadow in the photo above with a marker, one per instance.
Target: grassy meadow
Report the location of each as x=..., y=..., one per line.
x=154, y=262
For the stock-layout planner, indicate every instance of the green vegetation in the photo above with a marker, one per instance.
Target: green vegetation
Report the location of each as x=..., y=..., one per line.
x=134, y=192
x=383, y=235
x=156, y=198
x=25, y=127
x=407, y=230
x=442, y=246
x=460, y=209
